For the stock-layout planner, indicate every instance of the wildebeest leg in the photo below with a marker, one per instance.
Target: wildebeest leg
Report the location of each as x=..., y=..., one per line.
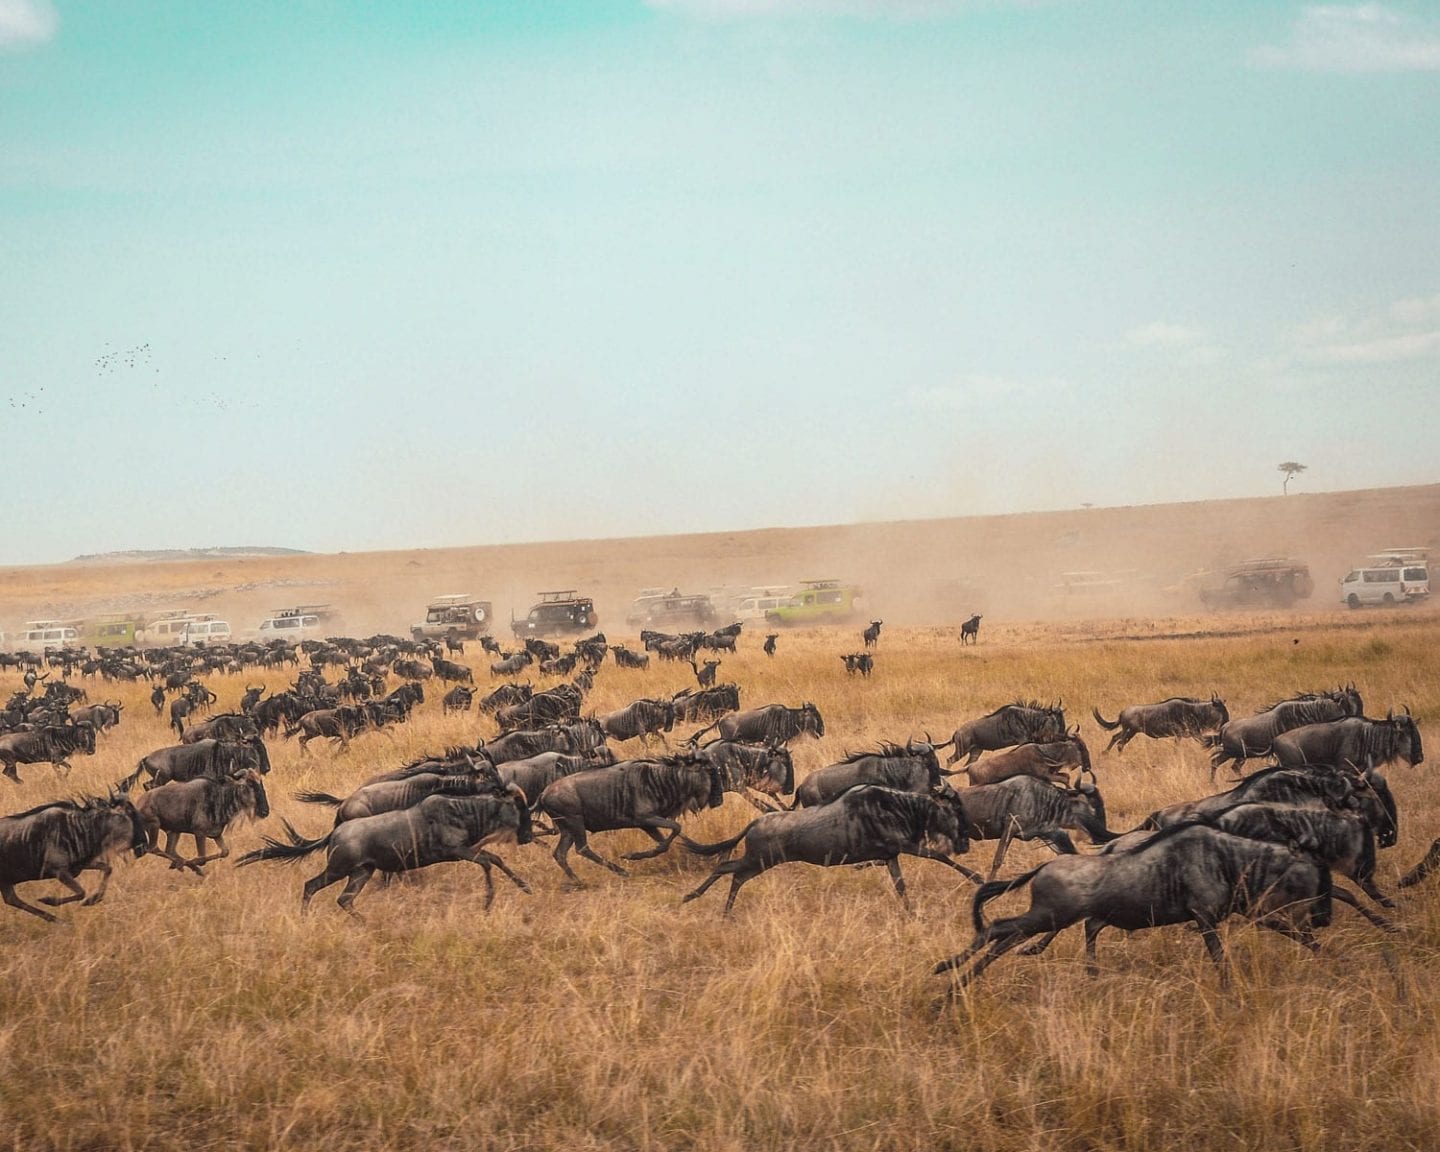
x=969, y=874
x=974, y=756
x=315, y=884
x=1367, y=885
x=562, y=850
x=15, y=776
x=663, y=842
x=1093, y=927
x=1040, y=945
x=1002, y=942
x=1001, y=848
x=485, y=860
x=1215, y=946
x=7, y=893
x=171, y=840
x=1302, y=936
x=1057, y=838
x=99, y=894
x=202, y=858
x=358, y=879
x=893, y=866
x=59, y=764
x=1347, y=897
x=68, y=879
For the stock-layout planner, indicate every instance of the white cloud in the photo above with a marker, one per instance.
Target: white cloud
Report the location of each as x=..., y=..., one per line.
x=26, y=24
x=1356, y=39
x=1163, y=335
x=1405, y=331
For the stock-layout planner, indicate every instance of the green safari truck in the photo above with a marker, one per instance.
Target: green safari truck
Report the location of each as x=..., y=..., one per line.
x=819, y=602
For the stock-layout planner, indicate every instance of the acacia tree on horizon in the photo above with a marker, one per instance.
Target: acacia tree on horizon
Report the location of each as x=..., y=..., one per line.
x=1291, y=469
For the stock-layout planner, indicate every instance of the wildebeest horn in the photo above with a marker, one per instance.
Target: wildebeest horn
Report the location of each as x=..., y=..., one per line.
x=1389, y=713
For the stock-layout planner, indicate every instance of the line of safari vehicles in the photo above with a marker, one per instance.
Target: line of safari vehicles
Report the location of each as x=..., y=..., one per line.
x=179, y=627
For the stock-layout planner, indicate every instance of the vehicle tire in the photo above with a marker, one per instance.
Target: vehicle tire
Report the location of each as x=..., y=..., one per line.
x=1389, y=600
x=1353, y=600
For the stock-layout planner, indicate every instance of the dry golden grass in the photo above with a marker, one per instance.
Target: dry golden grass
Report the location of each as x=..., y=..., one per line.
x=195, y=1013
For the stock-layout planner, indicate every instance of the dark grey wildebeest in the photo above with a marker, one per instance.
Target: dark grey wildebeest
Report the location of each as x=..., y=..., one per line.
x=1024, y=808
x=225, y=726
x=204, y=808
x=515, y=662
x=868, y=824
x=913, y=767
x=582, y=738
x=505, y=696
x=763, y=768
x=214, y=758
x=1018, y=723
x=861, y=662
x=871, y=635
x=437, y=830
x=1313, y=784
x=1248, y=736
x=707, y=703
x=552, y=706
x=340, y=725
x=772, y=724
x=1192, y=873
x=624, y=658
x=970, y=630
x=1048, y=762
x=59, y=840
x=642, y=718
x=1179, y=716
x=457, y=699
x=1352, y=743
x=536, y=773
x=650, y=795
x=101, y=717
x=390, y=795
x=451, y=673
x=52, y=744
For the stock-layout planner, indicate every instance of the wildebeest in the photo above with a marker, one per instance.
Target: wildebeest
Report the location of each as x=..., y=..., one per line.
x=766, y=769
x=1024, y=808
x=375, y=797
x=438, y=829
x=578, y=739
x=203, y=808
x=1008, y=725
x=871, y=635
x=1047, y=761
x=536, y=773
x=650, y=795
x=1250, y=736
x=707, y=703
x=505, y=696
x=457, y=699
x=52, y=744
x=706, y=675
x=642, y=718
x=452, y=673
x=912, y=768
x=226, y=726
x=866, y=824
x=769, y=648
x=101, y=717
x=1427, y=864
x=970, y=630
x=861, y=662
x=252, y=695
x=772, y=724
x=213, y=758
x=338, y=724
x=157, y=698
x=58, y=840
x=1179, y=716
x=1352, y=743
x=562, y=702
x=516, y=662
x=1189, y=874
x=624, y=658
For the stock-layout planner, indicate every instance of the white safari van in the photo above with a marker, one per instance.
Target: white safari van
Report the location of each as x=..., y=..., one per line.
x=210, y=631
x=1396, y=576
x=45, y=635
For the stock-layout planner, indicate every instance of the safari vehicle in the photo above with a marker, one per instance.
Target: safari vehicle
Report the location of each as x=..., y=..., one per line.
x=1395, y=576
x=43, y=635
x=116, y=630
x=1274, y=582
x=760, y=601
x=670, y=609
x=818, y=602
x=206, y=630
x=459, y=616
x=557, y=614
x=167, y=628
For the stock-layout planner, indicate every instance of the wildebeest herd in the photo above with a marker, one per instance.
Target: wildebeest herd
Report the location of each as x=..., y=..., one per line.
x=1275, y=847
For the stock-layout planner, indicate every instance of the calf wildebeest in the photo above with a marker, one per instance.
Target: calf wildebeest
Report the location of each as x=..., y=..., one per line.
x=457, y=699
x=772, y=724
x=1179, y=716
x=912, y=768
x=624, y=658
x=871, y=635
x=203, y=808
x=769, y=648
x=970, y=630
x=705, y=675
x=861, y=662
x=226, y=726
x=516, y=662
x=1024, y=808
x=437, y=830
x=1352, y=743
x=1047, y=761
x=1008, y=725
x=52, y=744
x=377, y=796
x=758, y=767
x=642, y=718
x=1250, y=736
x=866, y=824
x=216, y=759
x=650, y=795
x=58, y=840
x=1192, y=873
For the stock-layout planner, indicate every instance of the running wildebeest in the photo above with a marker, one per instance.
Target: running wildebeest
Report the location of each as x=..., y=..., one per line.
x=578, y=739
x=375, y=797
x=868, y=823
x=772, y=724
x=204, y=808
x=517, y=662
x=970, y=630
x=1047, y=761
x=1024, y=808
x=912, y=768
x=53, y=744
x=763, y=768
x=871, y=635
x=536, y=773
x=338, y=724
x=642, y=718
x=58, y=840
x=650, y=795
x=1250, y=736
x=1179, y=716
x=216, y=759
x=1352, y=743
x=556, y=704
x=1312, y=784
x=457, y=699
x=707, y=703
x=769, y=648
x=1008, y=725
x=861, y=662
x=1192, y=873
x=226, y=726
x=505, y=696
x=437, y=830
x=157, y=698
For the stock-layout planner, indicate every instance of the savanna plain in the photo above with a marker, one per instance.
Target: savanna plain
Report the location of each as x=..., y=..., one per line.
x=206, y=1012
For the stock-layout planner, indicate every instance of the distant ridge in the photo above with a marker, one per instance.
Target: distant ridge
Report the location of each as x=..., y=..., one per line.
x=170, y=555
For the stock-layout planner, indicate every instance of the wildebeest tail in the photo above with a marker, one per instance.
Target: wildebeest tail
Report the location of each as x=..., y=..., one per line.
x=1108, y=725
x=720, y=846
x=995, y=888
x=1322, y=911
x=275, y=850
x=1422, y=869
x=130, y=781
x=319, y=798
x=177, y=724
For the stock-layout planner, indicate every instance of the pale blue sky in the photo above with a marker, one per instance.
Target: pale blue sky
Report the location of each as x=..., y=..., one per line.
x=348, y=276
